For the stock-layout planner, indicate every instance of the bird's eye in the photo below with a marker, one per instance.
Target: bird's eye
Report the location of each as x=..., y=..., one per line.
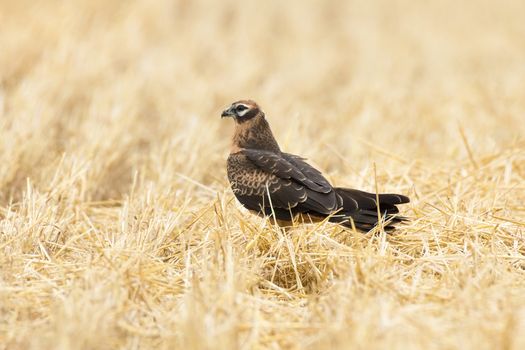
x=240, y=108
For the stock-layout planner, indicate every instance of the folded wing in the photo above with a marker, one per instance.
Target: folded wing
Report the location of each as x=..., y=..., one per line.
x=293, y=186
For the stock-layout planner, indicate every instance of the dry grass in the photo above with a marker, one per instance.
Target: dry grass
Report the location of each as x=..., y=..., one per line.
x=117, y=225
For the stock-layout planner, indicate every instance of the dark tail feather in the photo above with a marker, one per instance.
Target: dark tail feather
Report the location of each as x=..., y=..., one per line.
x=361, y=208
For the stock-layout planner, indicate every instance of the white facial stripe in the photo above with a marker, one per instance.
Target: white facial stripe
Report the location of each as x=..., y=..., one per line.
x=244, y=111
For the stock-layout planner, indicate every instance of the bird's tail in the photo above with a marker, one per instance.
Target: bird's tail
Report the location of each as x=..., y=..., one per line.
x=360, y=208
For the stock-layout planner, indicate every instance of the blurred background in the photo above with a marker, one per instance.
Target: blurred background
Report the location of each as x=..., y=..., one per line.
x=354, y=78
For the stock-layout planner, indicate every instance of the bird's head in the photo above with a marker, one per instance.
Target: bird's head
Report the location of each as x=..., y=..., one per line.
x=242, y=111
x=251, y=129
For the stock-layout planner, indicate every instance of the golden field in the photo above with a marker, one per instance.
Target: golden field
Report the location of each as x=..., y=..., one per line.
x=117, y=225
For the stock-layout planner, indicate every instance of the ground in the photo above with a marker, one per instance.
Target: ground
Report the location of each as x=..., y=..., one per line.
x=117, y=225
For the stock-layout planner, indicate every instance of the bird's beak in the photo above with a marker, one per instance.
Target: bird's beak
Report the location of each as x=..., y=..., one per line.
x=227, y=113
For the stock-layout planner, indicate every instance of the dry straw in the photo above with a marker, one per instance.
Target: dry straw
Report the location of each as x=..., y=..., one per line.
x=117, y=226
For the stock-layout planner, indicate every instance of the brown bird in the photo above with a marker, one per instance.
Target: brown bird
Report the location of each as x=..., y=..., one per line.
x=284, y=187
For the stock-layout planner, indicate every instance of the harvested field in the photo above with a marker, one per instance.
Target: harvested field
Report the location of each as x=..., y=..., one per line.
x=118, y=228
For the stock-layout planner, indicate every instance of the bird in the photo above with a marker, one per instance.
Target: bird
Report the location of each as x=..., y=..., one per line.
x=284, y=187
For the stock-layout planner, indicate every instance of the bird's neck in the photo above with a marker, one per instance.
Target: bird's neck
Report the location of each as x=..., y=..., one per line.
x=254, y=134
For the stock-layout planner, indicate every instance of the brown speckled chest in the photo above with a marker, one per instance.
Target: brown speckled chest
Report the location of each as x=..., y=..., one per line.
x=245, y=177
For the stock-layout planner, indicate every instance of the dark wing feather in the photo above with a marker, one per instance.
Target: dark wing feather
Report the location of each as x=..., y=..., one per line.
x=308, y=170
x=362, y=208
x=355, y=199
x=290, y=188
x=284, y=194
x=287, y=168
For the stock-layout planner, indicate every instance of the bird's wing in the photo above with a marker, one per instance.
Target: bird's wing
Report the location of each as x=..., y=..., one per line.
x=288, y=166
x=308, y=170
x=289, y=187
x=283, y=194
